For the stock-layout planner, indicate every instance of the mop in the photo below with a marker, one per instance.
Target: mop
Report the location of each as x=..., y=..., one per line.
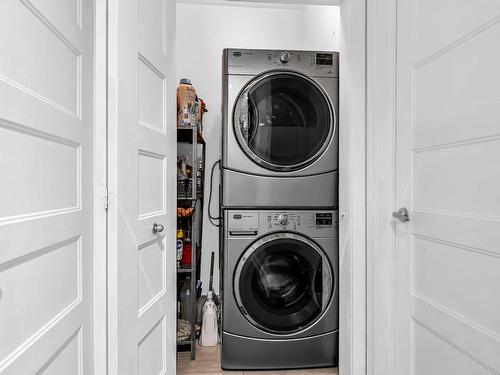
x=209, y=329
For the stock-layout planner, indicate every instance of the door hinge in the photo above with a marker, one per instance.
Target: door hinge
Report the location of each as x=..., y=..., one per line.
x=106, y=198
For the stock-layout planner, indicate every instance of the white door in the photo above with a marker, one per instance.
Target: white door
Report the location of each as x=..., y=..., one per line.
x=142, y=183
x=45, y=187
x=448, y=176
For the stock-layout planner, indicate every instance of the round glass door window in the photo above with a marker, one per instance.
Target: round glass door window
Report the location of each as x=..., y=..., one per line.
x=283, y=283
x=283, y=121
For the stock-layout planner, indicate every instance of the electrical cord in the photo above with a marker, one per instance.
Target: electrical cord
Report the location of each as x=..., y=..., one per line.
x=210, y=217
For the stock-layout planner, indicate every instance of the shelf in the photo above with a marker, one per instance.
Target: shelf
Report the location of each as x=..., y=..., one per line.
x=190, y=199
x=184, y=270
x=184, y=190
x=185, y=135
x=189, y=193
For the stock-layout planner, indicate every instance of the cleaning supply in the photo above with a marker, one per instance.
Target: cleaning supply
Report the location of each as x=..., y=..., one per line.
x=187, y=105
x=209, y=330
x=187, y=250
x=180, y=246
x=211, y=278
x=202, y=109
x=182, y=173
x=187, y=305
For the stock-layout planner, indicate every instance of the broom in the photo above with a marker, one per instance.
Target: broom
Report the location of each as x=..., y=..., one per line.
x=211, y=279
x=209, y=330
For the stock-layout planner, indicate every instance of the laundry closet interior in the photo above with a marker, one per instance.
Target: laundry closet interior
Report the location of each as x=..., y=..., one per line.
x=259, y=228
x=143, y=238
x=316, y=159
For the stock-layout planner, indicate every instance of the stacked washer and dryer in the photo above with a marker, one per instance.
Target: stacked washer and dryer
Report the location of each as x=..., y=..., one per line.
x=279, y=197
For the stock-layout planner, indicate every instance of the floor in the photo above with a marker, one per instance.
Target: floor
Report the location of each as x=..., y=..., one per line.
x=208, y=363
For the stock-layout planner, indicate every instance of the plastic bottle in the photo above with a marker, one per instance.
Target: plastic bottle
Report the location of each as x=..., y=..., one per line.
x=180, y=246
x=187, y=104
x=187, y=252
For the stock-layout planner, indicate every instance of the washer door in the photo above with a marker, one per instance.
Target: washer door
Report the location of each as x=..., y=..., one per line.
x=283, y=121
x=283, y=283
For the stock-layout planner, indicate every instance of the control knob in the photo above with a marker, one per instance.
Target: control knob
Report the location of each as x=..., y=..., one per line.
x=285, y=57
x=283, y=219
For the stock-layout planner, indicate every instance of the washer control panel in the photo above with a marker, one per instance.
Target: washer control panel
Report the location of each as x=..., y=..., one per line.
x=285, y=57
x=321, y=223
x=324, y=218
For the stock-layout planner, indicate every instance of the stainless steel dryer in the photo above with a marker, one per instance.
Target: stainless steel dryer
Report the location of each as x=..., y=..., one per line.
x=280, y=289
x=280, y=128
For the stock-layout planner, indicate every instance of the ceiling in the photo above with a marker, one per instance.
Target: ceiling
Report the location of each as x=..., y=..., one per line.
x=296, y=2
x=304, y=2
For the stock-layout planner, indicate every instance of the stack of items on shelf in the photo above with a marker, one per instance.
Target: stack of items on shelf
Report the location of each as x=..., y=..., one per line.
x=185, y=178
x=190, y=167
x=184, y=248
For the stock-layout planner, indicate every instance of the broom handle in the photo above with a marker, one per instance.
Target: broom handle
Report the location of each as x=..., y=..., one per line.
x=210, y=283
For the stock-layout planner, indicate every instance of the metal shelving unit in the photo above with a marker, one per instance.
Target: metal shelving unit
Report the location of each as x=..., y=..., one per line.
x=191, y=196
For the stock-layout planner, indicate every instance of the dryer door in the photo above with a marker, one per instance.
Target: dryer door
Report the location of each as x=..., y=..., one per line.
x=283, y=283
x=283, y=120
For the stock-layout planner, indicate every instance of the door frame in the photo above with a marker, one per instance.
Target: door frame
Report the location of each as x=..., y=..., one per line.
x=355, y=193
x=100, y=196
x=352, y=188
x=381, y=185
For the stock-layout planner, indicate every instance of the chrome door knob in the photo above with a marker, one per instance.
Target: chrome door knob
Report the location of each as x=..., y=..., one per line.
x=157, y=228
x=402, y=215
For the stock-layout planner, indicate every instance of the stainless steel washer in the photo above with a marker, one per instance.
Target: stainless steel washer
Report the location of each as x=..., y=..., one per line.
x=280, y=128
x=280, y=289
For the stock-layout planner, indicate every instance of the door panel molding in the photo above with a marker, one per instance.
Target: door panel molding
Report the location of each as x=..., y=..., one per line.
x=142, y=181
x=454, y=327
x=46, y=122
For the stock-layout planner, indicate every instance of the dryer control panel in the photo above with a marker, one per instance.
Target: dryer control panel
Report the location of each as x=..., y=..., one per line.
x=319, y=224
x=310, y=63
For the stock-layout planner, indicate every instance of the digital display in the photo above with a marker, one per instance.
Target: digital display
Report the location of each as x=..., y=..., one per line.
x=324, y=219
x=324, y=59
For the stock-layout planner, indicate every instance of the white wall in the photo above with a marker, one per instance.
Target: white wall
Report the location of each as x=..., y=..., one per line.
x=321, y=27
x=204, y=30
